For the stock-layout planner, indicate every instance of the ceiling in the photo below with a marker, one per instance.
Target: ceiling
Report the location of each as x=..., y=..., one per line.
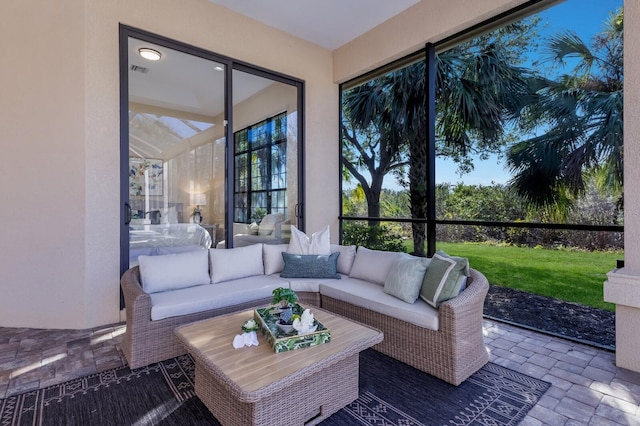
x=327, y=23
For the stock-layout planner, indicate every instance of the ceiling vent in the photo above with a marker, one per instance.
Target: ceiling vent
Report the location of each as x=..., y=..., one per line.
x=138, y=68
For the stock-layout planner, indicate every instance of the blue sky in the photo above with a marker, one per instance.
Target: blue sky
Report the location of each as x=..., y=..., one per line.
x=585, y=17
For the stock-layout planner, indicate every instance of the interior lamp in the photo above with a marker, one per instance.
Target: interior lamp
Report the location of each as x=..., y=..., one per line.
x=198, y=200
x=150, y=54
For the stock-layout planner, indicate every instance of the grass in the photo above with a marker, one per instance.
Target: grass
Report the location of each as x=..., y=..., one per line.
x=574, y=276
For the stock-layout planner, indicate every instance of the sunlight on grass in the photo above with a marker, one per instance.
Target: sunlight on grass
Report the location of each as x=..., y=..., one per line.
x=574, y=276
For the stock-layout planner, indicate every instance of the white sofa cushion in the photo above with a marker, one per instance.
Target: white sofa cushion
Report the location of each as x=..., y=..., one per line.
x=180, y=249
x=372, y=296
x=204, y=297
x=272, y=258
x=174, y=271
x=346, y=258
x=318, y=243
x=373, y=265
x=239, y=262
x=310, y=284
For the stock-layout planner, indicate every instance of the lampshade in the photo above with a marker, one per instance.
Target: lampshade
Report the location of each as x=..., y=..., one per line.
x=199, y=199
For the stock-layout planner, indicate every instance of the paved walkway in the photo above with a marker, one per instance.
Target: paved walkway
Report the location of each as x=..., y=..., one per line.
x=587, y=388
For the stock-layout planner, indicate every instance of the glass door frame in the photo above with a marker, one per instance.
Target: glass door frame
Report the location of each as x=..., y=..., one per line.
x=126, y=32
x=280, y=78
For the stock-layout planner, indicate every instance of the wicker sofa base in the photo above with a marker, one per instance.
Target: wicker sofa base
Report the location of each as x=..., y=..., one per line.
x=452, y=353
x=450, y=356
x=145, y=341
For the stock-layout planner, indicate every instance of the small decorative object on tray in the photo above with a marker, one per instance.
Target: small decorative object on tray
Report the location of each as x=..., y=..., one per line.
x=249, y=337
x=292, y=327
x=250, y=325
x=305, y=324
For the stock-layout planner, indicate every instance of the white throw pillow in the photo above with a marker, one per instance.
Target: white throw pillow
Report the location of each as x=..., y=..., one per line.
x=240, y=262
x=272, y=257
x=373, y=265
x=174, y=271
x=346, y=258
x=318, y=243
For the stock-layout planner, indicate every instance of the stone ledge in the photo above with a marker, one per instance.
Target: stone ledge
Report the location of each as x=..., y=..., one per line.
x=623, y=287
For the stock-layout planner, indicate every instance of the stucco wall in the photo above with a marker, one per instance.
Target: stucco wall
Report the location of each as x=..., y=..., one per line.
x=408, y=31
x=60, y=221
x=42, y=167
x=631, y=132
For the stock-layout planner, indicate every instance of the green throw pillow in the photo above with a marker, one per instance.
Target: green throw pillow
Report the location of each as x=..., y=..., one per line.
x=441, y=281
x=457, y=259
x=405, y=278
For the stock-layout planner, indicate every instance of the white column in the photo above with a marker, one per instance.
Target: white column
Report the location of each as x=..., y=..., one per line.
x=623, y=285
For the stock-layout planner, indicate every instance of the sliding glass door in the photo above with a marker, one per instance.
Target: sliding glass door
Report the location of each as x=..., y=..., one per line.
x=211, y=150
x=176, y=152
x=265, y=158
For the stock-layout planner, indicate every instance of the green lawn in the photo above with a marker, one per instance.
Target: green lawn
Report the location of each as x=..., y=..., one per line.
x=574, y=276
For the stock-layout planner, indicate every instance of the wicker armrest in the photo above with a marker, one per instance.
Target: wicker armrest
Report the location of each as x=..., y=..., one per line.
x=137, y=302
x=464, y=312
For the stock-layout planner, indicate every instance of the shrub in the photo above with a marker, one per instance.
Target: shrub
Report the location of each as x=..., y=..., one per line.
x=372, y=237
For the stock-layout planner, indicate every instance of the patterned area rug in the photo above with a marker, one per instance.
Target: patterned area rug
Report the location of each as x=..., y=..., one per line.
x=162, y=394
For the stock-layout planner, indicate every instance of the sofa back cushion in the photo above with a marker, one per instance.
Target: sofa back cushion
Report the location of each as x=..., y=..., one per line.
x=174, y=271
x=240, y=262
x=272, y=258
x=373, y=265
x=346, y=258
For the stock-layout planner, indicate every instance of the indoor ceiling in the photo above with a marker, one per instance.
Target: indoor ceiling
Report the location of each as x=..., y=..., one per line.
x=181, y=93
x=327, y=23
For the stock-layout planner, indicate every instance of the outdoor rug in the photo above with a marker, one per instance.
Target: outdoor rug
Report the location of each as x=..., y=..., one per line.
x=391, y=393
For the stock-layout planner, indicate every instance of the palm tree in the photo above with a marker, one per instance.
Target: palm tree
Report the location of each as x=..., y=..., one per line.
x=479, y=90
x=582, y=112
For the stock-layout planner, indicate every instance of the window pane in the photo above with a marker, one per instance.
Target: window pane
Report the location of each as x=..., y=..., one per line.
x=272, y=177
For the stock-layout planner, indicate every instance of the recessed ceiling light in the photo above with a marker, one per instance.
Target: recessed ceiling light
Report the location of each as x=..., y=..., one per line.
x=150, y=54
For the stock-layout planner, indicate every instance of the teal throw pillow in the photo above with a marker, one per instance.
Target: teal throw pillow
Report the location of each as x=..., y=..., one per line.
x=310, y=265
x=442, y=279
x=405, y=278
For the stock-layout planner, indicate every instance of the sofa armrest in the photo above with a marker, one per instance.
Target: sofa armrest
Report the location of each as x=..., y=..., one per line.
x=137, y=302
x=277, y=230
x=463, y=314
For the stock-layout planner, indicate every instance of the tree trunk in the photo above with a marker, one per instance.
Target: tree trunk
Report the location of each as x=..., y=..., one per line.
x=373, y=200
x=418, y=195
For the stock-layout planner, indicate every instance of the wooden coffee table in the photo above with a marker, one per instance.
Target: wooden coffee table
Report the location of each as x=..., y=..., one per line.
x=256, y=386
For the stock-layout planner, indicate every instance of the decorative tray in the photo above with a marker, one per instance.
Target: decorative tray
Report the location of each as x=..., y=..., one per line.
x=282, y=341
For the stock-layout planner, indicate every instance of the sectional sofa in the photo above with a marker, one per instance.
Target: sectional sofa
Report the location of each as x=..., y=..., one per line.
x=444, y=340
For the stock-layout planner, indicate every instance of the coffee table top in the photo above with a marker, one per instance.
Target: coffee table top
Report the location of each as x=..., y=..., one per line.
x=253, y=370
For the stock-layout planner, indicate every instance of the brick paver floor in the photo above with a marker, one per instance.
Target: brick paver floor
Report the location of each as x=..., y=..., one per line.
x=587, y=388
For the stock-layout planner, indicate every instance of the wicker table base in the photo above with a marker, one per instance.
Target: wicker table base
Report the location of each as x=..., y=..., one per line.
x=256, y=386
x=307, y=401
